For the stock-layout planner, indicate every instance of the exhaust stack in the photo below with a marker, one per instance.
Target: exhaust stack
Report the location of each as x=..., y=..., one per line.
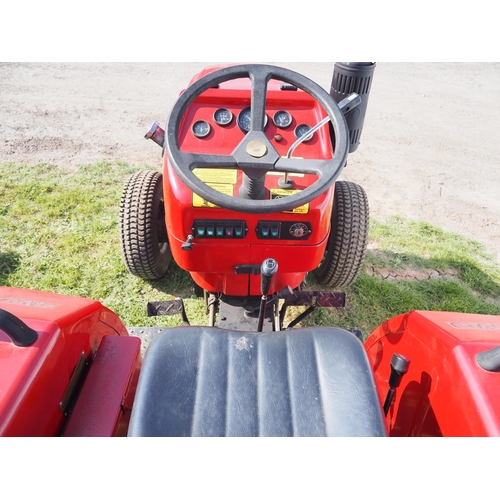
x=349, y=77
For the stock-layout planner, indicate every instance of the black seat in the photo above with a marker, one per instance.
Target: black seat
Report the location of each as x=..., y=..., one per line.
x=202, y=381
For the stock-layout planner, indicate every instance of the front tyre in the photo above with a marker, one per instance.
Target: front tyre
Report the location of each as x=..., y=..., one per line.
x=143, y=233
x=346, y=247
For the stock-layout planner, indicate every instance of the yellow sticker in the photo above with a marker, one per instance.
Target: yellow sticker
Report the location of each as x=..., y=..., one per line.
x=218, y=175
x=199, y=202
x=275, y=194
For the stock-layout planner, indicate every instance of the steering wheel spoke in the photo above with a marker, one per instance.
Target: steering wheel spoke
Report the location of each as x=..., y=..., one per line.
x=259, y=93
x=202, y=160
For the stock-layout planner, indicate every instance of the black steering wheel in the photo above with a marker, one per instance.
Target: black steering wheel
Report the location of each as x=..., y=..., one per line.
x=255, y=155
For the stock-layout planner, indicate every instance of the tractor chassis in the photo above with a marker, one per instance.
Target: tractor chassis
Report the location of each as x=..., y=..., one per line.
x=253, y=313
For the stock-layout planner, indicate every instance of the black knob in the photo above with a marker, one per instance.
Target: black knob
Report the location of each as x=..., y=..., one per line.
x=399, y=366
x=267, y=271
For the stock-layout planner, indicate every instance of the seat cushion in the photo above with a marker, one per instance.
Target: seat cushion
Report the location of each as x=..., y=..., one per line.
x=202, y=381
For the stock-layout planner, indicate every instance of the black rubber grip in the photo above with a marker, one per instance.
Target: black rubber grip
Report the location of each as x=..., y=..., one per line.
x=489, y=360
x=18, y=331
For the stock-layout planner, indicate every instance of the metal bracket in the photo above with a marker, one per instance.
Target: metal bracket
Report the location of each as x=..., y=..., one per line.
x=247, y=269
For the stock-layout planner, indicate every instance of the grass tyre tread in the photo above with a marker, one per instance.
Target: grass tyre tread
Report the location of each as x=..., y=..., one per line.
x=143, y=234
x=346, y=247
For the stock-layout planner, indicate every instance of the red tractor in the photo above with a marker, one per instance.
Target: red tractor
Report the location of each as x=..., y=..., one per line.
x=249, y=202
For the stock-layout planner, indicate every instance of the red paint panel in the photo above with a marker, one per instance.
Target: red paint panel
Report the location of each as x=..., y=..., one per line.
x=34, y=378
x=445, y=391
x=105, y=402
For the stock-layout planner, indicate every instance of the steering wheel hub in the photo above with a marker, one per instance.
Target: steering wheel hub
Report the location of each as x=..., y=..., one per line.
x=256, y=148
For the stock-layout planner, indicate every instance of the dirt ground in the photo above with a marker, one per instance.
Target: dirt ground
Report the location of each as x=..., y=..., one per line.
x=429, y=149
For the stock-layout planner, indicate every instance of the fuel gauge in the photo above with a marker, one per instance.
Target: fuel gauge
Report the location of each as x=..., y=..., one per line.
x=302, y=130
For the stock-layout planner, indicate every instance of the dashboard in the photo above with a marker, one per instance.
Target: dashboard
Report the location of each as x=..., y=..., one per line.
x=219, y=118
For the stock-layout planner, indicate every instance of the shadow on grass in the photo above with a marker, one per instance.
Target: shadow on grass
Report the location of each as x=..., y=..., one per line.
x=393, y=266
x=392, y=284
x=9, y=263
x=177, y=282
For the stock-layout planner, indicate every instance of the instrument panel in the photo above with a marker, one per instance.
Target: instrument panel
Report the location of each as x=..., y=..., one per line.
x=283, y=120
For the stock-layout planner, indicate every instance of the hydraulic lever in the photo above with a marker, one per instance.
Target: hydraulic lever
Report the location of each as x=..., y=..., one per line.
x=399, y=367
x=267, y=272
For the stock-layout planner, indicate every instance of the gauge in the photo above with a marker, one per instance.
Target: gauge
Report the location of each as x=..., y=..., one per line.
x=299, y=230
x=244, y=120
x=282, y=119
x=201, y=129
x=302, y=130
x=223, y=117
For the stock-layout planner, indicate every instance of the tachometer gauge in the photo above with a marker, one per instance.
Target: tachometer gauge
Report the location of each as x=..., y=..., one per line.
x=301, y=130
x=244, y=120
x=223, y=117
x=201, y=129
x=282, y=119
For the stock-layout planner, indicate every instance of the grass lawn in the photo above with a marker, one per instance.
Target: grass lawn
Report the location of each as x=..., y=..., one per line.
x=59, y=232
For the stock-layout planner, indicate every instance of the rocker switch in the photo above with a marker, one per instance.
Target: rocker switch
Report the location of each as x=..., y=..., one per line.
x=219, y=229
x=238, y=231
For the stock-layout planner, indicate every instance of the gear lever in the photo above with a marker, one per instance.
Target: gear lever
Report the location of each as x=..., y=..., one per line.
x=267, y=271
x=399, y=367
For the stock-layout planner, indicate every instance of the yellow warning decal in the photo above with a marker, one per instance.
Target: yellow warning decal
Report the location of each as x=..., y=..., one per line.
x=280, y=193
x=218, y=175
x=199, y=202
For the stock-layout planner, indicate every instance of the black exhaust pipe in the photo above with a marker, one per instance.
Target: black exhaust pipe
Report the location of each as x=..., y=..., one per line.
x=351, y=77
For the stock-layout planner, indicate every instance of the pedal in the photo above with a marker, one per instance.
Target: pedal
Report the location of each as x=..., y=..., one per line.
x=311, y=299
x=167, y=308
x=316, y=299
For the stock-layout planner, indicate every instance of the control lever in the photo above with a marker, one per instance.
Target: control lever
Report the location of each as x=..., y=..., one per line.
x=399, y=366
x=188, y=244
x=267, y=271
